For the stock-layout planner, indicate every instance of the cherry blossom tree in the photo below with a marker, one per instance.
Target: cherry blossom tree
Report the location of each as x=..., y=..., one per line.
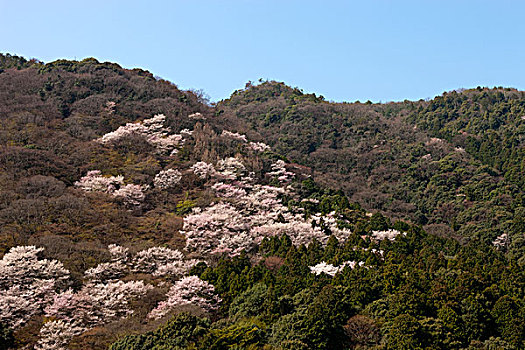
x=203, y=170
x=56, y=335
x=158, y=261
x=27, y=284
x=501, y=241
x=97, y=303
x=280, y=173
x=94, y=181
x=167, y=179
x=189, y=290
x=152, y=130
x=230, y=168
x=131, y=195
x=234, y=136
x=258, y=146
x=332, y=270
x=390, y=234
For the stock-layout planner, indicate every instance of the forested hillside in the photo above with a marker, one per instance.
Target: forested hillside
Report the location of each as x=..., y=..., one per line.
x=454, y=164
x=135, y=215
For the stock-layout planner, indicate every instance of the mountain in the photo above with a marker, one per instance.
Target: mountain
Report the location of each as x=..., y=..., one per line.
x=135, y=215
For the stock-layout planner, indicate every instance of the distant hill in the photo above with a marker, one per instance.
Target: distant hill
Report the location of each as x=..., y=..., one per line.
x=454, y=164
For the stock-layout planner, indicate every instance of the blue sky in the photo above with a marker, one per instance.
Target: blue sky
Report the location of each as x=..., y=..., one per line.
x=343, y=50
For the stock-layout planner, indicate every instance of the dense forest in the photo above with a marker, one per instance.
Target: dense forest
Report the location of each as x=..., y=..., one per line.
x=135, y=215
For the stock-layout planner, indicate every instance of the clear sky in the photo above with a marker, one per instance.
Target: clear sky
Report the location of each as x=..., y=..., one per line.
x=344, y=50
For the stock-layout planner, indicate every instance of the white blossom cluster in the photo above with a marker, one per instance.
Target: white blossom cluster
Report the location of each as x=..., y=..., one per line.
x=390, y=234
x=95, y=182
x=31, y=286
x=130, y=194
x=56, y=335
x=501, y=241
x=234, y=136
x=152, y=130
x=197, y=116
x=331, y=270
x=258, y=146
x=167, y=179
x=158, y=261
x=27, y=284
x=280, y=173
x=254, y=146
x=203, y=170
x=245, y=213
x=230, y=168
x=189, y=290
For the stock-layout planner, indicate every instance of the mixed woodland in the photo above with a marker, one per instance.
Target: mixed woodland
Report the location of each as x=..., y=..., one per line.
x=136, y=215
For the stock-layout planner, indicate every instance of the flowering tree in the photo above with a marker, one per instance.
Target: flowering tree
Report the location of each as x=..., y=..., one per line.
x=501, y=241
x=248, y=212
x=94, y=181
x=152, y=130
x=167, y=179
x=161, y=261
x=258, y=146
x=189, y=290
x=203, y=170
x=331, y=270
x=254, y=146
x=197, y=116
x=96, y=303
x=390, y=234
x=56, y=335
x=131, y=195
x=230, y=168
x=158, y=261
x=234, y=136
x=27, y=284
x=280, y=173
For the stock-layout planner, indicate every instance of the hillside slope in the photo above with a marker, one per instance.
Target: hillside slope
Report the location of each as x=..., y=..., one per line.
x=134, y=215
x=454, y=164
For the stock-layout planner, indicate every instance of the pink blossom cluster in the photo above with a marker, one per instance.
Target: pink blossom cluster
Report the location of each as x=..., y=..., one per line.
x=254, y=146
x=258, y=146
x=197, y=116
x=96, y=303
x=280, y=173
x=167, y=179
x=230, y=168
x=56, y=335
x=130, y=194
x=152, y=130
x=94, y=181
x=27, y=284
x=32, y=286
x=228, y=190
x=203, y=170
x=246, y=213
x=189, y=290
x=234, y=136
x=93, y=305
x=158, y=261
x=389, y=234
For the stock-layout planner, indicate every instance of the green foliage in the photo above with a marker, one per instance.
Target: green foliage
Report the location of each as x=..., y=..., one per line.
x=245, y=334
x=180, y=332
x=7, y=340
x=184, y=206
